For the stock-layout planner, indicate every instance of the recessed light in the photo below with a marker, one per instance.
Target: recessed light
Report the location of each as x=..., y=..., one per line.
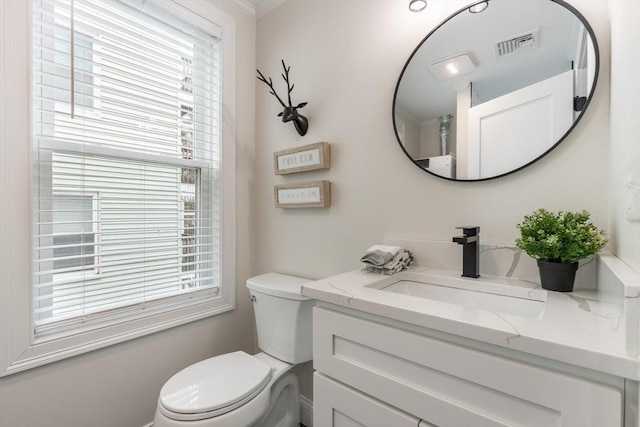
x=417, y=5
x=453, y=66
x=479, y=7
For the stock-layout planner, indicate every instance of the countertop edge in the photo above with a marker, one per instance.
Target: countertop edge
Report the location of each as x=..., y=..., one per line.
x=501, y=331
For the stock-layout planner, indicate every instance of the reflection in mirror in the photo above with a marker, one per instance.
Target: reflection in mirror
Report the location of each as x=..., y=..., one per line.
x=492, y=90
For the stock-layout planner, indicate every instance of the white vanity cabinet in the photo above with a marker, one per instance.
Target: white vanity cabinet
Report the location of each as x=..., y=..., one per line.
x=372, y=372
x=342, y=406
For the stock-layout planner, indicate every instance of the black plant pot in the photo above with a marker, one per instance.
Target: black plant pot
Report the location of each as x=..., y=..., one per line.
x=557, y=276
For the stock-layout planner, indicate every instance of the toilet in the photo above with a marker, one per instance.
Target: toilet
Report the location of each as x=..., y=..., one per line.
x=241, y=390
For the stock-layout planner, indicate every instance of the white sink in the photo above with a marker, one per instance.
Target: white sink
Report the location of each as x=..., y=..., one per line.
x=496, y=295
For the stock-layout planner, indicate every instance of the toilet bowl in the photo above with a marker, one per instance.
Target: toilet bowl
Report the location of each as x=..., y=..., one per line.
x=240, y=390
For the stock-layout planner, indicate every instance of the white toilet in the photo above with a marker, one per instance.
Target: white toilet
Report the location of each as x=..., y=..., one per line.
x=240, y=390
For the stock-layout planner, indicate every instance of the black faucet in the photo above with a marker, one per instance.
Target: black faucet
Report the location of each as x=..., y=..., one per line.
x=470, y=241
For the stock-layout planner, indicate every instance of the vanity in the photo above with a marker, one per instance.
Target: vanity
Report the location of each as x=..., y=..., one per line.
x=427, y=347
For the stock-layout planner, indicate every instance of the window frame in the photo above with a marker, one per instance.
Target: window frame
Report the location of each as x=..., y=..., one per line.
x=20, y=348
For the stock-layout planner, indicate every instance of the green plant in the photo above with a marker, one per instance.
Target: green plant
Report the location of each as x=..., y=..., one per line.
x=559, y=237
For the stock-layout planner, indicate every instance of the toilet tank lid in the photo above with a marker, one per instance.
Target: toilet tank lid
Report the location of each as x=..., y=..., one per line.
x=280, y=285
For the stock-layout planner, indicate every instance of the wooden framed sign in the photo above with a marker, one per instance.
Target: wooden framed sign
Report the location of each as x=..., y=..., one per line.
x=301, y=159
x=313, y=194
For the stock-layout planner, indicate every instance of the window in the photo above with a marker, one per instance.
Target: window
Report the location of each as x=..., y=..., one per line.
x=133, y=224
x=75, y=235
x=84, y=68
x=134, y=117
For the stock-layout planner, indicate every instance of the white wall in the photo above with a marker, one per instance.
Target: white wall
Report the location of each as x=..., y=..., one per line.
x=625, y=126
x=345, y=58
x=118, y=386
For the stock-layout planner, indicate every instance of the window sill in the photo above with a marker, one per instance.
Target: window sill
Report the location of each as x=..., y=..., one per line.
x=53, y=348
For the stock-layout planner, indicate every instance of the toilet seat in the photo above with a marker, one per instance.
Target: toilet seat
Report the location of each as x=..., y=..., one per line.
x=214, y=386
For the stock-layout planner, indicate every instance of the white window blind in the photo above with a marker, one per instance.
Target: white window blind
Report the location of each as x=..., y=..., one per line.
x=126, y=109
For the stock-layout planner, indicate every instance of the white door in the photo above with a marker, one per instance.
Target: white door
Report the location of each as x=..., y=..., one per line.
x=508, y=132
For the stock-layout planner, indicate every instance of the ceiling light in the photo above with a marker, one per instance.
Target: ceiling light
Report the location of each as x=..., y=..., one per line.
x=453, y=66
x=479, y=7
x=417, y=5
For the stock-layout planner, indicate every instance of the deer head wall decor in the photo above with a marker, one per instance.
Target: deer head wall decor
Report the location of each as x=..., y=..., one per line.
x=290, y=113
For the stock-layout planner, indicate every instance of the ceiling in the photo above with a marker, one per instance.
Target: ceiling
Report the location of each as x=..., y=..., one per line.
x=256, y=8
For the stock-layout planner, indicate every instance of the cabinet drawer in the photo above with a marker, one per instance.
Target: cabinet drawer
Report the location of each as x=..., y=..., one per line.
x=336, y=405
x=452, y=385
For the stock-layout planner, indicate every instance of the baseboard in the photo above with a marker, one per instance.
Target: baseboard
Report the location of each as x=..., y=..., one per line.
x=306, y=411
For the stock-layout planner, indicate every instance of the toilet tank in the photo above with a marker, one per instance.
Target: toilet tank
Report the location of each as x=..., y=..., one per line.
x=283, y=316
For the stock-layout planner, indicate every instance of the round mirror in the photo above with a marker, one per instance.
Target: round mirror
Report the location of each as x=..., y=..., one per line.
x=495, y=87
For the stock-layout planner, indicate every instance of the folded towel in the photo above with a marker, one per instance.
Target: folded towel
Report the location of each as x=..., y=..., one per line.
x=380, y=254
x=386, y=260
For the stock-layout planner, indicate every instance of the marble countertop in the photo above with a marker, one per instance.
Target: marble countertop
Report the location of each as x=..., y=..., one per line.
x=579, y=328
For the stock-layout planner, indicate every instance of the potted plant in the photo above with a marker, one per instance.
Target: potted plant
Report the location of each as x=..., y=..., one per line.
x=558, y=240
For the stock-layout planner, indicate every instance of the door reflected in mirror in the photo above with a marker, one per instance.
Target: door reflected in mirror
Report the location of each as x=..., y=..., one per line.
x=489, y=92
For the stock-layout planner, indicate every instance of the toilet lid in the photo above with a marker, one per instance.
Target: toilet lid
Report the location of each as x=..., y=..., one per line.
x=225, y=381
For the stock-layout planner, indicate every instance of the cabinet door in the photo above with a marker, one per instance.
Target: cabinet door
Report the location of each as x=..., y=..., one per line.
x=451, y=385
x=336, y=405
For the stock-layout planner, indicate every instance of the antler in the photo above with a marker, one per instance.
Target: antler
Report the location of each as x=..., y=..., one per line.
x=273, y=91
x=285, y=76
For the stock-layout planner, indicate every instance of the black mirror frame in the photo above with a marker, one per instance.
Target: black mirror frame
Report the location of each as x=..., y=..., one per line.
x=576, y=121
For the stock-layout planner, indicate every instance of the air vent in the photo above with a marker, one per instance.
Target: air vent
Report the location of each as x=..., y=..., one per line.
x=517, y=44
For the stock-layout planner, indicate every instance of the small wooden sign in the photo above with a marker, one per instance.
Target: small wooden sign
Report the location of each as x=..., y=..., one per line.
x=314, y=194
x=301, y=159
